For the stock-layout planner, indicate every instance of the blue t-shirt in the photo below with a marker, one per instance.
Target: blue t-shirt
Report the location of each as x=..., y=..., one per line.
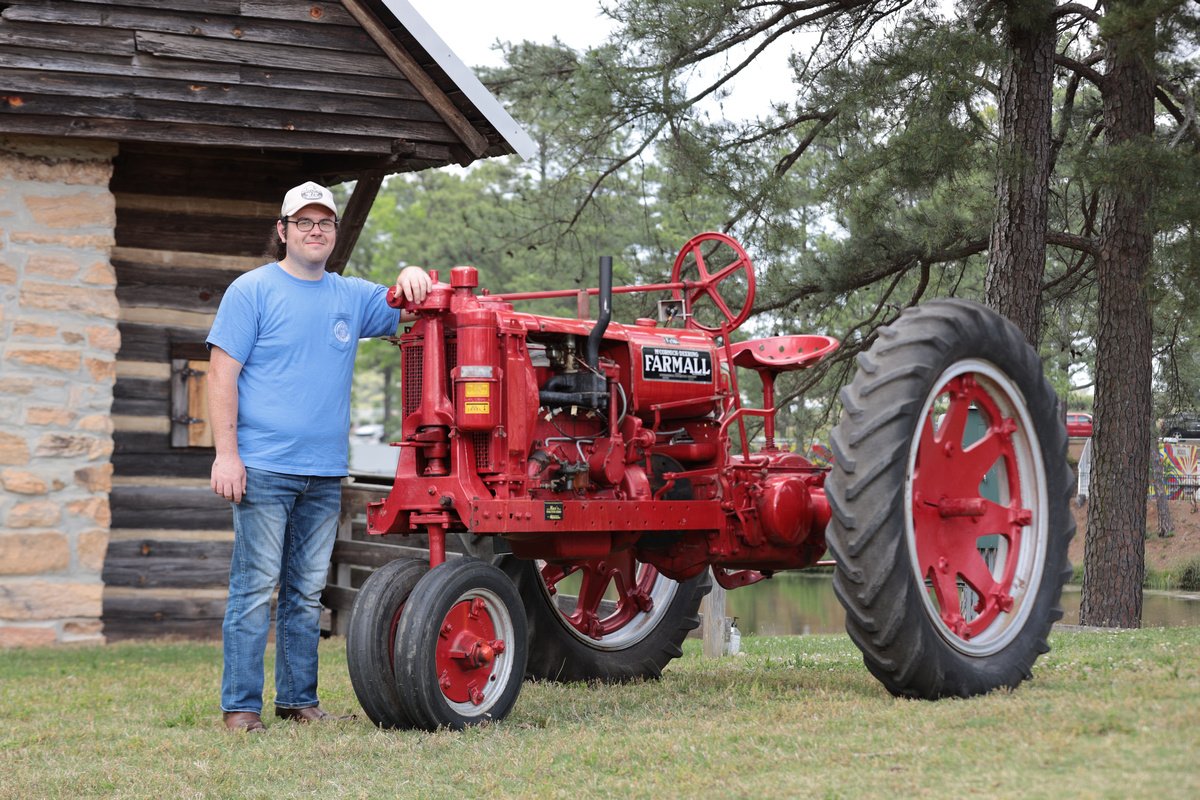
x=296, y=341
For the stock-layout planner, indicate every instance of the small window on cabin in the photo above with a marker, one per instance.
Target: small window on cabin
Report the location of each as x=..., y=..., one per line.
x=189, y=395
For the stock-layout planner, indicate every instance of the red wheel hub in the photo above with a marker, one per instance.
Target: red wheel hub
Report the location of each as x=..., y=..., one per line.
x=950, y=515
x=620, y=571
x=466, y=651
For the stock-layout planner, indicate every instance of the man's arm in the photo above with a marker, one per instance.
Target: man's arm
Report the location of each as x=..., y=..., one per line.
x=228, y=472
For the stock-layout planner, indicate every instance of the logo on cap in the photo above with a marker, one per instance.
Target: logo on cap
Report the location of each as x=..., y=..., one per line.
x=311, y=194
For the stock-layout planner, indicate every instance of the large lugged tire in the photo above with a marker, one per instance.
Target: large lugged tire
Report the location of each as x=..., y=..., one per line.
x=371, y=638
x=950, y=496
x=630, y=639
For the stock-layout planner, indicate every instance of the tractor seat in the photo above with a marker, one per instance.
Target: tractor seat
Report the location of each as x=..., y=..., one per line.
x=783, y=353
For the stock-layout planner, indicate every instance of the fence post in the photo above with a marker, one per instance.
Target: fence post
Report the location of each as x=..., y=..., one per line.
x=339, y=621
x=714, y=625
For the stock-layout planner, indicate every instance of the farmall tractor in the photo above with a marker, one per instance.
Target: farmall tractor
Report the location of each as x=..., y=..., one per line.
x=599, y=473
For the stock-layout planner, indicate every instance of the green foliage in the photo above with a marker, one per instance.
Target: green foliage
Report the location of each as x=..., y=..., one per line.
x=1189, y=577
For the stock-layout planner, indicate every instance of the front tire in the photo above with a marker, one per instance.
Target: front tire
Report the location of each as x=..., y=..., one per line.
x=371, y=637
x=950, y=497
x=460, y=647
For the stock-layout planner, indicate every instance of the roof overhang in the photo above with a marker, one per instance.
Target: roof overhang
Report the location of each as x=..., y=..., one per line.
x=463, y=77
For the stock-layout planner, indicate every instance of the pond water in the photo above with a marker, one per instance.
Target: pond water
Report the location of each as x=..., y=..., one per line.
x=796, y=603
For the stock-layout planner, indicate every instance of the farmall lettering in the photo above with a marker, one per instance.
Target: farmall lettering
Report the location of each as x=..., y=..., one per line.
x=666, y=364
x=601, y=475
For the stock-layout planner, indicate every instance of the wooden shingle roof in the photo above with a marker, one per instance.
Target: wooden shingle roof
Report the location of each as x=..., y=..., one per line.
x=354, y=86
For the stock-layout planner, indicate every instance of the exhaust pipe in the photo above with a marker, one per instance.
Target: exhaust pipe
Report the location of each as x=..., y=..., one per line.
x=597, y=334
x=588, y=389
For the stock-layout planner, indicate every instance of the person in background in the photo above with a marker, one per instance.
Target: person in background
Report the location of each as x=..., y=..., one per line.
x=282, y=346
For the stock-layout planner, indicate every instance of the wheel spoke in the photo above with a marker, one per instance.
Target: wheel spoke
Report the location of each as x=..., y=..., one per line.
x=725, y=272
x=553, y=573
x=980, y=457
x=631, y=597
x=585, y=618
x=701, y=268
x=719, y=302
x=945, y=588
x=950, y=432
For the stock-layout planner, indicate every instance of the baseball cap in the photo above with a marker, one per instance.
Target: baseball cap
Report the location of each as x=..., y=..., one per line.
x=307, y=194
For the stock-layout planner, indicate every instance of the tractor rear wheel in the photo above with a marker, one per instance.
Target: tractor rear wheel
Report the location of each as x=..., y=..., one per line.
x=371, y=638
x=950, y=496
x=460, y=647
x=625, y=622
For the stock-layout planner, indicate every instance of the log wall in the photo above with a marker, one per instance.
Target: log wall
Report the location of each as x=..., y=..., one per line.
x=168, y=560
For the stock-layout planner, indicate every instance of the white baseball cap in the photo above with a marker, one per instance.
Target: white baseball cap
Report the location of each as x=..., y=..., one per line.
x=307, y=194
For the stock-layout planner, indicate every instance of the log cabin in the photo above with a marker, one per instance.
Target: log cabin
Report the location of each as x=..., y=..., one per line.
x=144, y=149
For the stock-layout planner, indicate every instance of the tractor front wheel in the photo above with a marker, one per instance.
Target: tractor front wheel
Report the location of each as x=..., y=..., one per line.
x=950, y=497
x=371, y=638
x=460, y=647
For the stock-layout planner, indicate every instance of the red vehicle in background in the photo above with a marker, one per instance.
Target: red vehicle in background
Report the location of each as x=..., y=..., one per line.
x=1079, y=424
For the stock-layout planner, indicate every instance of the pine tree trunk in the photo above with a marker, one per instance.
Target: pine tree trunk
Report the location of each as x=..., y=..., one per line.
x=1017, y=252
x=1114, y=550
x=1162, y=492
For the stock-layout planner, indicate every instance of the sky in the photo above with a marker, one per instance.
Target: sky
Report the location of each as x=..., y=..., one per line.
x=471, y=27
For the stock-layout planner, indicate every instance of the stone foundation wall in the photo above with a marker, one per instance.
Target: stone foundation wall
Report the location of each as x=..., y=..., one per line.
x=58, y=344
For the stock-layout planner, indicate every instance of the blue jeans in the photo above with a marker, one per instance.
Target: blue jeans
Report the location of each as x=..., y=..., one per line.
x=284, y=530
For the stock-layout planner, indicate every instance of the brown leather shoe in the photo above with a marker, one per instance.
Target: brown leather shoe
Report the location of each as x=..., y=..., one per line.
x=247, y=721
x=308, y=714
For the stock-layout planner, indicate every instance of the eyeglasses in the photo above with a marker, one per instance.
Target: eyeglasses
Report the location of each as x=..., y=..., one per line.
x=304, y=224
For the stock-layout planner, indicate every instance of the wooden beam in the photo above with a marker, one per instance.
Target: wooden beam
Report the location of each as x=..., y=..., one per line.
x=366, y=189
x=181, y=133
x=208, y=72
x=472, y=139
x=210, y=24
x=252, y=121
x=205, y=97
x=263, y=54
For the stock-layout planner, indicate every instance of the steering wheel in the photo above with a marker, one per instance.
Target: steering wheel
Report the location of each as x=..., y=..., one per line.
x=716, y=275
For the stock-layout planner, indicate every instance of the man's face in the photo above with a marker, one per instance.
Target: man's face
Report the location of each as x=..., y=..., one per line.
x=312, y=246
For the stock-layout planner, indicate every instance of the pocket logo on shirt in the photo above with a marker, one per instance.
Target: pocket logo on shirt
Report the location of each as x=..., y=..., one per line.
x=341, y=331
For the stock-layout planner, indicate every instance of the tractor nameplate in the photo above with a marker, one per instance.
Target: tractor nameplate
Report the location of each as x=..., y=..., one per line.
x=673, y=364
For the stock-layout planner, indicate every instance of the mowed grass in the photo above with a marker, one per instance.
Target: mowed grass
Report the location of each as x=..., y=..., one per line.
x=1109, y=714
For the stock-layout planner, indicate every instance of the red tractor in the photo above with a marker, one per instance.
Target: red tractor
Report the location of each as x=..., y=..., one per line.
x=599, y=473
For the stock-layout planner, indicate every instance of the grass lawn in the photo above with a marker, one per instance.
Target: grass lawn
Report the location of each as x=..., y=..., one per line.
x=1108, y=714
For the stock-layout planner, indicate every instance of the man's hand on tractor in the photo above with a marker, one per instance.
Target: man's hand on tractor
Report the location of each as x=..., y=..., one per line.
x=413, y=283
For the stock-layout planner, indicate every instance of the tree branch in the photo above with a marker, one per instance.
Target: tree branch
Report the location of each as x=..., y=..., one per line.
x=1072, y=241
x=899, y=264
x=1080, y=67
x=1078, y=9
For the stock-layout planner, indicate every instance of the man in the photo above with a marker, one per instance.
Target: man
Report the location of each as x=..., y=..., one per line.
x=283, y=346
